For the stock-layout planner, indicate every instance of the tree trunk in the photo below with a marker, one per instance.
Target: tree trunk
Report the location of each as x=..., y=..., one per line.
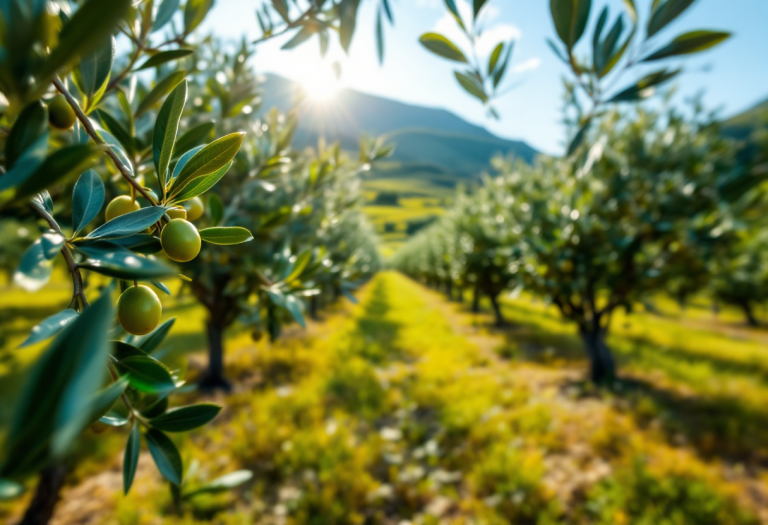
x=476, y=300
x=313, y=306
x=602, y=368
x=497, y=310
x=40, y=510
x=747, y=308
x=449, y=289
x=214, y=378
x=460, y=294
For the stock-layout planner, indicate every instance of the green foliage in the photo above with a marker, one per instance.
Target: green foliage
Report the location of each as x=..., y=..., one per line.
x=480, y=81
x=594, y=79
x=52, y=46
x=644, y=210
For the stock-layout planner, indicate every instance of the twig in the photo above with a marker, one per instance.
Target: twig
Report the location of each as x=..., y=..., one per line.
x=78, y=290
x=288, y=27
x=122, y=168
x=132, y=411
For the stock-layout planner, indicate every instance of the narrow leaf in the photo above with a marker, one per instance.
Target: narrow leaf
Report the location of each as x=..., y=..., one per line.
x=166, y=456
x=60, y=165
x=166, y=128
x=87, y=28
x=125, y=264
x=441, y=46
x=477, y=5
x=193, y=137
x=644, y=88
x=226, y=235
x=347, y=22
x=116, y=128
x=199, y=186
x=194, y=13
x=494, y=59
x=223, y=483
x=105, y=399
x=131, y=457
x=54, y=404
x=87, y=200
x=151, y=341
x=570, y=18
x=96, y=67
x=146, y=374
x=163, y=57
x=34, y=270
x=665, y=12
x=50, y=327
x=31, y=124
x=688, y=43
x=164, y=13
x=209, y=159
x=471, y=86
x=184, y=419
x=128, y=224
x=578, y=138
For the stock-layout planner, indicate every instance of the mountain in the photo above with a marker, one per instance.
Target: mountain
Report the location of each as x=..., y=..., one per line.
x=741, y=126
x=428, y=141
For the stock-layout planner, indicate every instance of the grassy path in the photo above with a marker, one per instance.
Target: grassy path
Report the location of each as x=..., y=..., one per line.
x=405, y=409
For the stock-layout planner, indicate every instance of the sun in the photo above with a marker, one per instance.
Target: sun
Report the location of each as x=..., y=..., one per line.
x=320, y=84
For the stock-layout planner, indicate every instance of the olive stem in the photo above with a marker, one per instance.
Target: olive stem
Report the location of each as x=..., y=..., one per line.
x=122, y=168
x=131, y=411
x=78, y=290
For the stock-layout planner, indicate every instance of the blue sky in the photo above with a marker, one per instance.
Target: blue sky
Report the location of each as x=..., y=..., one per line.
x=734, y=76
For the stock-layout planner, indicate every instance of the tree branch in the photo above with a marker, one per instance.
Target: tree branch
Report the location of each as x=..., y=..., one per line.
x=122, y=168
x=78, y=290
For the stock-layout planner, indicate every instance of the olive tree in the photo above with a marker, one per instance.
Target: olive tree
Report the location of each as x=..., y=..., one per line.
x=296, y=204
x=740, y=274
x=649, y=205
x=74, y=111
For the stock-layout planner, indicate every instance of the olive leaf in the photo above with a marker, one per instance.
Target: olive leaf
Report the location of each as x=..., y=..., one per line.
x=443, y=47
x=226, y=235
x=54, y=404
x=163, y=57
x=128, y=224
x=87, y=200
x=184, y=419
x=166, y=128
x=166, y=456
x=131, y=457
x=208, y=160
x=49, y=327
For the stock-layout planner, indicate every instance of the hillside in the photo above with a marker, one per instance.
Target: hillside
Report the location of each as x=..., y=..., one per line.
x=434, y=151
x=435, y=139
x=741, y=126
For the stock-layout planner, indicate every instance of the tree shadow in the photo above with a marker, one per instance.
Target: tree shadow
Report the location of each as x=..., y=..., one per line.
x=636, y=346
x=715, y=426
x=375, y=338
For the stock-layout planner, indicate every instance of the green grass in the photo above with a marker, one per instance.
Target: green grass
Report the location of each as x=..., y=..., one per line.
x=401, y=408
x=696, y=377
x=419, y=200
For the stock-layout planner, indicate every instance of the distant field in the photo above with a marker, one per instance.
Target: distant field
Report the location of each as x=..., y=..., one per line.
x=422, y=193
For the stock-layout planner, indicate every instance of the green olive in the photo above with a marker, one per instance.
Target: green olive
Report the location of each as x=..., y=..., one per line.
x=177, y=213
x=120, y=206
x=180, y=240
x=60, y=113
x=139, y=310
x=194, y=208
